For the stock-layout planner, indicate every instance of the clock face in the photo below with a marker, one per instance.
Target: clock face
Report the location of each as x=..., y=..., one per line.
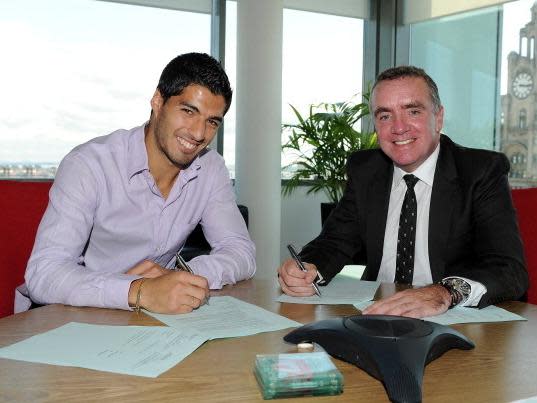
x=522, y=85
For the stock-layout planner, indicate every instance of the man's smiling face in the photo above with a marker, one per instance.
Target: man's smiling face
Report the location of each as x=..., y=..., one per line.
x=408, y=124
x=186, y=123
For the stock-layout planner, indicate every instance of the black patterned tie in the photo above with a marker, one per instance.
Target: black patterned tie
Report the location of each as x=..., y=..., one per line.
x=404, y=269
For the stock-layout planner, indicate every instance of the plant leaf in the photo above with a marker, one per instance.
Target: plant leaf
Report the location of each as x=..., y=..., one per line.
x=322, y=142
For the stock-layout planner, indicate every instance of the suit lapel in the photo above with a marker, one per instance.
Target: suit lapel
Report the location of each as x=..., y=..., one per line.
x=378, y=198
x=444, y=194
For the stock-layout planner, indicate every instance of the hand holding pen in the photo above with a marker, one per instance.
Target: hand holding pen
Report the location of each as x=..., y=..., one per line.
x=300, y=265
x=182, y=265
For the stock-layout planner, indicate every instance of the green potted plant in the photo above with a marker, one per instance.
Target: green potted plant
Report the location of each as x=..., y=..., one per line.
x=321, y=144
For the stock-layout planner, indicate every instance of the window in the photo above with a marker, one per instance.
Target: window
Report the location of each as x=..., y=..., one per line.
x=231, y=70
x=460, y=53
x=99, y=63
x=319, y=65
x=79, y=70
x=487, y=86
x=522, y=124
x=518, y=90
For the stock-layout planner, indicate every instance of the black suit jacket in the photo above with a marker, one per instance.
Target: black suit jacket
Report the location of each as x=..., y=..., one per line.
x=473, y=231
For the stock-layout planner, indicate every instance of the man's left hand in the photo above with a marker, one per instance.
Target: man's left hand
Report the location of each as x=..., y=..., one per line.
x=415, y=303
x=148, y=269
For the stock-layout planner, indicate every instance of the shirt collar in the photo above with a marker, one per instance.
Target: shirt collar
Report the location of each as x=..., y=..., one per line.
x=137, y=153
x=137, y=156
x=425, y=172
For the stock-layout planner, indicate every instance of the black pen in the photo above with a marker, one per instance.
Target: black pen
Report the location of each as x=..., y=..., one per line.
x=301, y=267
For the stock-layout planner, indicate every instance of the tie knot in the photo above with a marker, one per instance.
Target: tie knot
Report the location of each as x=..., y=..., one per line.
x=410, y=180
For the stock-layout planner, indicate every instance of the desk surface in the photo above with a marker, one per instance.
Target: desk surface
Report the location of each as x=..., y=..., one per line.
x=501, y=368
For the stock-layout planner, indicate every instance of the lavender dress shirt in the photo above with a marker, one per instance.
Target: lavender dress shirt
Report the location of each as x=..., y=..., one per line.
x=106, y=214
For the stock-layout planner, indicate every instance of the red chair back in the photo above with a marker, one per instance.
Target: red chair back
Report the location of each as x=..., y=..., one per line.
x=525, y=201
x=22, y=205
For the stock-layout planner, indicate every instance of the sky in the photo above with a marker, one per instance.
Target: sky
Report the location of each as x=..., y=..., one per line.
x=76, y=69
x=66, y=78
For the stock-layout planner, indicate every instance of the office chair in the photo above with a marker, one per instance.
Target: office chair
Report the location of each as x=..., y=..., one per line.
x=21, y=207
x=525, y=201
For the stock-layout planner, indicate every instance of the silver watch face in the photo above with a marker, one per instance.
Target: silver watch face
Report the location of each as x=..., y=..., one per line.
x=458, y=284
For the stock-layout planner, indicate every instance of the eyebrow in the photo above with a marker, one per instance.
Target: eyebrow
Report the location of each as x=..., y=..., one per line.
x=410, y=105
x=414, y=104
x=195, y=108
x=381, y=109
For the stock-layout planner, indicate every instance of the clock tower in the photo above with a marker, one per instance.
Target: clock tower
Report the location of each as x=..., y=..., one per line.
x=519, y=108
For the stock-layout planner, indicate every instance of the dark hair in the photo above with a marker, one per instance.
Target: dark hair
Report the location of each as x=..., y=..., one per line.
x=411, y=71
x=194, y=68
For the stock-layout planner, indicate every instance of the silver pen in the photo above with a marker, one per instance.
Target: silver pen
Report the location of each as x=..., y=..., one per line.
x=181, y=264
x=300, y=265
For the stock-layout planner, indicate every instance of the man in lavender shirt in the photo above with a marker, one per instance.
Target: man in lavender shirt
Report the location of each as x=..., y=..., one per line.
x=122, y=205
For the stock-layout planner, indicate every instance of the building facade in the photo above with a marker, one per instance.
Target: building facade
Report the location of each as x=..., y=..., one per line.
x=519, y=109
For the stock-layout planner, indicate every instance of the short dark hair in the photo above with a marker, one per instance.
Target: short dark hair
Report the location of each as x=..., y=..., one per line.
x=411, y=71
x=194, y=69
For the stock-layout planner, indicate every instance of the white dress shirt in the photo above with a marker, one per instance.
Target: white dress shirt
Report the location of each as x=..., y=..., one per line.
x=422, y=268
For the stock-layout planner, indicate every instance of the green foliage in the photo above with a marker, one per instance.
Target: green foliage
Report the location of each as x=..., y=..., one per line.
x=322, y=143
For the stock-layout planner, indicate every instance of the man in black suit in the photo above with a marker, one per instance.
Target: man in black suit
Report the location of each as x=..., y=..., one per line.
x=420, y=210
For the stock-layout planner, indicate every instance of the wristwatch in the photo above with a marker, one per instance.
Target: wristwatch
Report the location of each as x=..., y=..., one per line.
x=458, y=289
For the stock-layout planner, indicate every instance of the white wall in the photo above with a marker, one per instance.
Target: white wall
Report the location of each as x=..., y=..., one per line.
x=258, y=138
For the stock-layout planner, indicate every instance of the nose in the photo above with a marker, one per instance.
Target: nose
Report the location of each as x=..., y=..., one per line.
x=399, y=125
x=197, y=129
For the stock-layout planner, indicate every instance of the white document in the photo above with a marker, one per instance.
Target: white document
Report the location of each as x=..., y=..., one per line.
x=461, y=314
x=133, y=350
x=532, y=399
x=341, y=290
x=227, y=317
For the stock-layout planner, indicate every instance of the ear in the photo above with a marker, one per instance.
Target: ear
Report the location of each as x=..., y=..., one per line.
x=156, y=101
x=439, y=119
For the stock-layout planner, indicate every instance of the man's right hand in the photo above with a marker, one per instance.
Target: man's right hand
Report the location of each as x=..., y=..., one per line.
x=294, y=281
x=173, y=292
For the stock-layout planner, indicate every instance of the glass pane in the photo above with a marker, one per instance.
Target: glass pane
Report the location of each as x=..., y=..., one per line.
x=519, y=92
x=322, y=62
x=490, y=96
x=460, y=54
x=318, y=65
x=81, y=69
